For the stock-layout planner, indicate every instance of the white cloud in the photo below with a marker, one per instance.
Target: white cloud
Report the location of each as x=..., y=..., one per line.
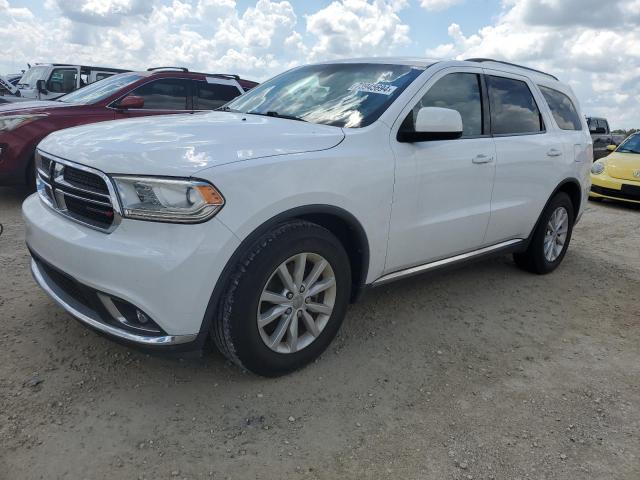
x=357, y=27
x=436, y=5
x=103, y=12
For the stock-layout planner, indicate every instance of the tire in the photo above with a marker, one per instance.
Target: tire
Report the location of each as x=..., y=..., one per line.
x=235, y=328
x=535, y=259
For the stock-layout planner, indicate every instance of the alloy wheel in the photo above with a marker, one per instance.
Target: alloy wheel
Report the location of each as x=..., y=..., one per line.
x=556, y=234
x=296, y=303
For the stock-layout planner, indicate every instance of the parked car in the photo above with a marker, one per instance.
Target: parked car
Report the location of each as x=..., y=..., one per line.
x=49, y=81
x=257, y=224
x=602, y=137
x=8, y=83
x=617, y=176
x=124, y=95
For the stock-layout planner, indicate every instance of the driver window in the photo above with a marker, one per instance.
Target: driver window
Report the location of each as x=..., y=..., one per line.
x=63, y=80
x=457, y=91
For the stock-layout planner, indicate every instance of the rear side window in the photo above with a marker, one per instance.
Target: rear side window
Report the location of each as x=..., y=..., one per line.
x=102, y=76
x=214, y=95
x=562, y=108
x=164, y=94
x=457, y=91
x=513, y=109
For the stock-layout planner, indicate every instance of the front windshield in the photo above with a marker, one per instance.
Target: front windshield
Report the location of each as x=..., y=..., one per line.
x=630, y=145
x=100, y=90
x=342, y=94
x=31, y=76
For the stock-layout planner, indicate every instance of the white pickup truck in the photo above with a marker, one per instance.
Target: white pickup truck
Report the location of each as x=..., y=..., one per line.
x=52, y=80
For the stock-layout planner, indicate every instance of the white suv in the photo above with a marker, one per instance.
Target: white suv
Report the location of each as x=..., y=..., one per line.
x=257, y=224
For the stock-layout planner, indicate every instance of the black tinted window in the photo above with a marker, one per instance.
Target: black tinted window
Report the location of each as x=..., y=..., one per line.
x=164, y=94
x=562, y=108
x=602, y=123
x=461, y=92
x=63, y=80
x=214, y=95
x=513, y=108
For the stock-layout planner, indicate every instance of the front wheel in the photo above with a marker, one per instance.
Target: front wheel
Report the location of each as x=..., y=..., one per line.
x=551, y=238
x=286, y=300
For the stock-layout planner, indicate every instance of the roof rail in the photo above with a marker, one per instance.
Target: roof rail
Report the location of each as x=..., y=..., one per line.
x=90, y=67
x=481, y=60
x=183, y=69
x=223, y=75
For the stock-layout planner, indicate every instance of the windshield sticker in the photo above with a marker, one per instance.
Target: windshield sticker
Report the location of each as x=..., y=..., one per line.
x=381, y=88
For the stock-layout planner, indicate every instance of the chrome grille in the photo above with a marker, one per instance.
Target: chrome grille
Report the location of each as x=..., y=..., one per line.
x=77, y=192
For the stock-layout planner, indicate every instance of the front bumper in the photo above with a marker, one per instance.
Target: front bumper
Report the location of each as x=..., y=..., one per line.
x=604, y=186
x=167, y=271
x=93, y=317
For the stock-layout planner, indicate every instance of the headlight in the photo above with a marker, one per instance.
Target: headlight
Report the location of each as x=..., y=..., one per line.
x=597, y=168
x=167, y=199
x=11, y=122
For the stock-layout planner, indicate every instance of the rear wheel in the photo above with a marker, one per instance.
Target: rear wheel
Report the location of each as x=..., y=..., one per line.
x=551, y=237
x=286, y=300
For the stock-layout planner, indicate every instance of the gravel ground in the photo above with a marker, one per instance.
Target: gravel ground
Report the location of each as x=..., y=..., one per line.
x=484, y=372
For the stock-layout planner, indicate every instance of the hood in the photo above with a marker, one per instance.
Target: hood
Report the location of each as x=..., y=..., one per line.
x=624, y=166
x=33, y=106
x=180, y=145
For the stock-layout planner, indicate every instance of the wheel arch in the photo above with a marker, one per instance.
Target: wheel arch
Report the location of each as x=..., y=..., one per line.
x=570, y=186
x=344, y=225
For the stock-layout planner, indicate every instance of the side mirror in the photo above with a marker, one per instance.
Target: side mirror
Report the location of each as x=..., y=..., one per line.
x=434, y=123
x=130, y=101
x=41, y=86
x=612, y=148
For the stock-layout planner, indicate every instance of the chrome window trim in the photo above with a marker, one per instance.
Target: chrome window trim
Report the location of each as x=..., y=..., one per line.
x=61, y=209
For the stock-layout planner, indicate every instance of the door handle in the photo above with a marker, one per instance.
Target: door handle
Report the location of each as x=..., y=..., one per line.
x=554, y=152
x=482, y=159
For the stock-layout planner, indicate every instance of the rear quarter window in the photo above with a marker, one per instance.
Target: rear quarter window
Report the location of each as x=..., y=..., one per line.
x=563, y=110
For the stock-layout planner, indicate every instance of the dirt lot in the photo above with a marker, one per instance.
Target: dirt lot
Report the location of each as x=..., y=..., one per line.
x=485, y=372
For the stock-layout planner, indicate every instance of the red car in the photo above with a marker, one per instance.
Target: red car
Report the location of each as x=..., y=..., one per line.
x=132, y=94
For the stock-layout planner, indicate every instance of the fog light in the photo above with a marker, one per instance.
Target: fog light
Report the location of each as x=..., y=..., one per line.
x=142, y=317
x=127, y=315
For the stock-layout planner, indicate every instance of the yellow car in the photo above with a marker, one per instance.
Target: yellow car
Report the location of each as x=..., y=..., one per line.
x=618, y=176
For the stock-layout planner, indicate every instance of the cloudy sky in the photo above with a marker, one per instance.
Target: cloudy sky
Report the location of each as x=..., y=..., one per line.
x=592, y=44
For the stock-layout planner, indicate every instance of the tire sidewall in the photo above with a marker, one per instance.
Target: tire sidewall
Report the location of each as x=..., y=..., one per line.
x=248, y=344
x=560, y=200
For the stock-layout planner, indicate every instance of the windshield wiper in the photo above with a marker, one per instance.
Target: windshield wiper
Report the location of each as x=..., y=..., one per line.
x=271, y=113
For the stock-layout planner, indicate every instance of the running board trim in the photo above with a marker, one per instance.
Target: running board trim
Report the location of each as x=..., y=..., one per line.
x=390, y=277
